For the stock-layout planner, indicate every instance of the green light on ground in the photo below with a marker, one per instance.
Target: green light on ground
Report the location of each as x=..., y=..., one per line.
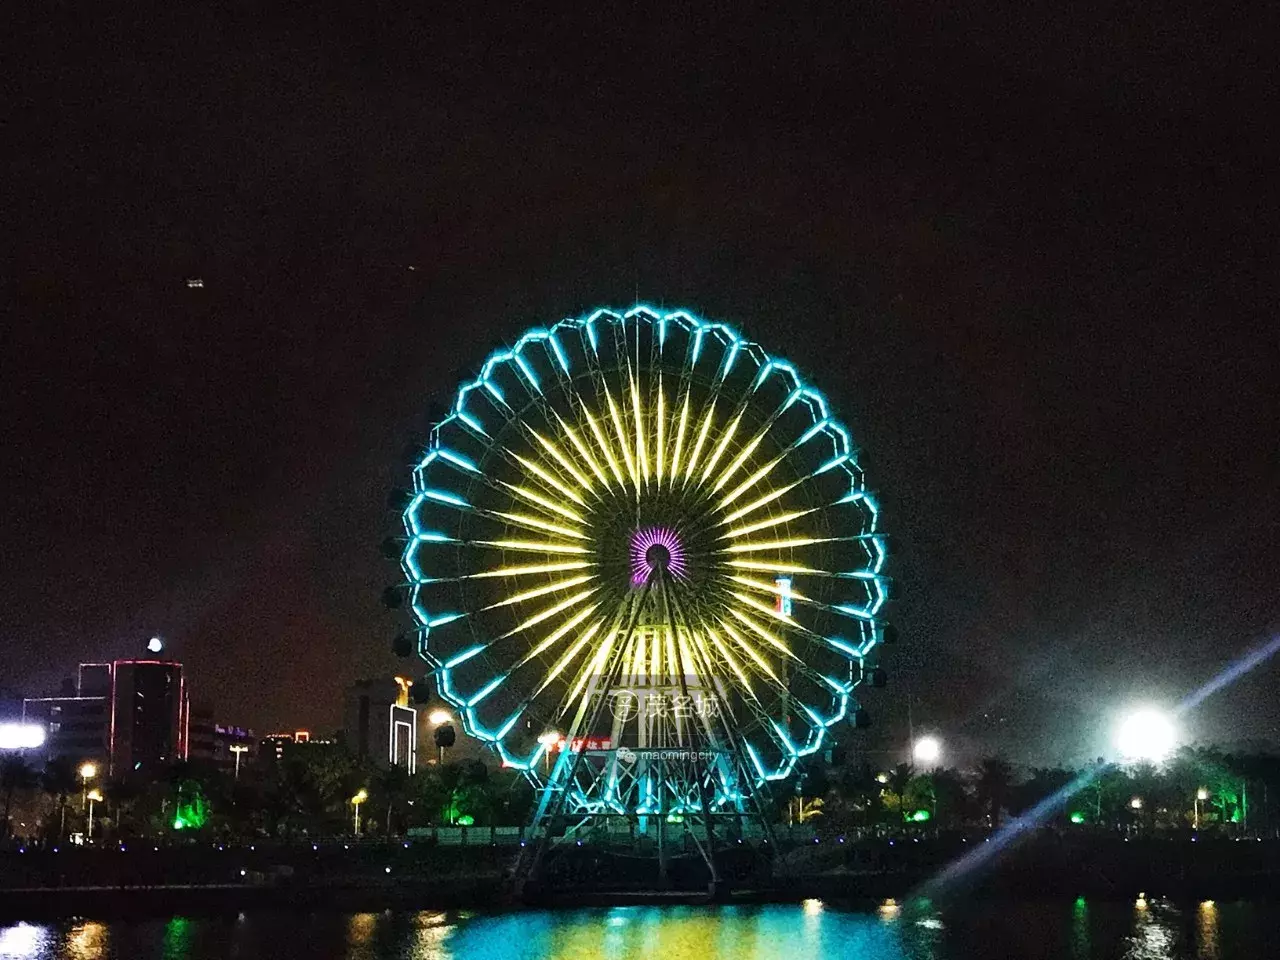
x=465, y=820
x=920, y=816
x=1077, y=817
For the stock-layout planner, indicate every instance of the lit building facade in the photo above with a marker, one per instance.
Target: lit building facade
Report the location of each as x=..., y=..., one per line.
x=133, y=716
x=380, y=724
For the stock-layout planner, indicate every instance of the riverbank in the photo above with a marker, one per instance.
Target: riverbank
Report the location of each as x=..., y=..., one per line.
x=204, y=878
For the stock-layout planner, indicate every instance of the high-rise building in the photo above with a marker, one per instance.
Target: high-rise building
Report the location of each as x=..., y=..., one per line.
x=131, y=715
x=380, y=724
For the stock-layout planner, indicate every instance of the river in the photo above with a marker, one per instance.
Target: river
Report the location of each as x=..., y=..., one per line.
x=1064, y=930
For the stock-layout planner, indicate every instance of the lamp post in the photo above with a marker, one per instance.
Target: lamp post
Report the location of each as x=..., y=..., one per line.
x=361, y=796
x=238, y=749
x=1201, y=795
x=87, y=772
x=93, y=796
x=548, y=741
x=444, y=735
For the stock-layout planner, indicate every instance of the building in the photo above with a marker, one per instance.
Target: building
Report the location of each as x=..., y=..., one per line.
x=380, y=724
x=275, y=747
x=133, y=716
x=214, y=745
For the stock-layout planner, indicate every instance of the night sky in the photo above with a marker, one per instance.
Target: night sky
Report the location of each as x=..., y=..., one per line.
x=1031, y=263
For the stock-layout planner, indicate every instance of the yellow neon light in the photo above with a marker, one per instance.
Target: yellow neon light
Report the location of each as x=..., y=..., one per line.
x=623, y=440
x=583, y=451
x=549, y=612
x=551, y=505
x=605, y=448
x=684, y=421
x=534, y=523
x=593, y=669
x=661, y=455
x=765, y=524
x=738, y=461
x=702, y=438
x=770, y=588
x=533, y=546
x=760, y=631
x=542, y=591
x=561, y=459
x=641, y=456
x=721, y=447
x=531, y=568
x=733, y=664
x=568, y=656
x=750, y=651
x=556, y=634
x=774, y=567
x=776, y=544
x=750, y=482
x=672, y=663
x=757, y=504
x=548, y=479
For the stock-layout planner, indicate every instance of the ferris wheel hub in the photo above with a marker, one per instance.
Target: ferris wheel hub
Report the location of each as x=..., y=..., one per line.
x=658, y=557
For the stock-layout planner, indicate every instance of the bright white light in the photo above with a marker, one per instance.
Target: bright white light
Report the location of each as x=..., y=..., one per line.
x=440, y=716
x=927, y=750
x=1146, y=734
x=155, y=645
x=21, y=736
x=550, y=737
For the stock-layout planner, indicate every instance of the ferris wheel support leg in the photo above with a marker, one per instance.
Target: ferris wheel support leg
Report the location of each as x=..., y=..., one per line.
x=709, y=851
x=527, y=872
x=739, y=760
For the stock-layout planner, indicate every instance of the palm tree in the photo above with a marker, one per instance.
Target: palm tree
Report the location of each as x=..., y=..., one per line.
x=15, y=775
x=994, y=776
x=60, y=780
x=392, y=786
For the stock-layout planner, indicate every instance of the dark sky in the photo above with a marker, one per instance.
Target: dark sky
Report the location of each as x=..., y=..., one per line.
x=1030, y=260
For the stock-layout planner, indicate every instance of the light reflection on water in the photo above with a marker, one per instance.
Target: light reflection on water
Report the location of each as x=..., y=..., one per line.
x=1146, y=928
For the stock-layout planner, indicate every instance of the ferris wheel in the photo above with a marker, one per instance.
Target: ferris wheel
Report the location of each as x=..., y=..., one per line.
x=644, y=565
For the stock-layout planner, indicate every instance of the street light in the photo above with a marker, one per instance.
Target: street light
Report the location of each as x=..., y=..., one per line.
x=927, y=751
x=238, y=749
x=93, y=796
x=438, y=717
x=1201, y=795
x=1136, y=803
x=1146, y=735
x=548, y=741
x=361, y=796
x=87, y=772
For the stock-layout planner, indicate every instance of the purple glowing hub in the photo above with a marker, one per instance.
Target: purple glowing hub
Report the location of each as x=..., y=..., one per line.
x=644, y=557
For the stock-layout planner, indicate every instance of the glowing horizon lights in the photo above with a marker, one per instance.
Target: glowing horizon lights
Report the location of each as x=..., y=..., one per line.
x=641, y=543
x=583, y=447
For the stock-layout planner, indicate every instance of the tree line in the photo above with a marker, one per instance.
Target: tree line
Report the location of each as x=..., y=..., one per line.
x=309, y=793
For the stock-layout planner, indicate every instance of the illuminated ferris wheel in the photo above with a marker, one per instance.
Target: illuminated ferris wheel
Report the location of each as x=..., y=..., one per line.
x=644, y=565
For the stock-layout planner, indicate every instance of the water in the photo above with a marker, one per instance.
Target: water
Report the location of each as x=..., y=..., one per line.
x=1079, y=930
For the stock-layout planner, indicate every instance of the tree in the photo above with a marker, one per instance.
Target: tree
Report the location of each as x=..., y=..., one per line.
x=994, y=777
x=60, y=780
x=16, y=775
x=393, y=787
